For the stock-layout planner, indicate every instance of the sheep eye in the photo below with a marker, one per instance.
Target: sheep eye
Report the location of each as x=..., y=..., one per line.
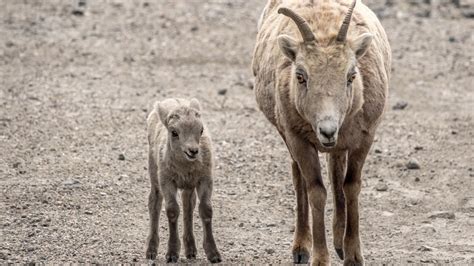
x=202, y=131
x=351, y=79
x=174, y=133
x=300, y=78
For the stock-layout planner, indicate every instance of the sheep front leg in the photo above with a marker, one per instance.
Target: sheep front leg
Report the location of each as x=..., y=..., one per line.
x=352, y=183
x=172, y=211
x=205, y=211
x=155, y=200
x=302, y=237
x=337, y=170
x=307, y=158
x=189, y=202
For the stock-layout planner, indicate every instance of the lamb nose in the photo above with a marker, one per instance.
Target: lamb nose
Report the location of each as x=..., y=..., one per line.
x=193, y=151
x=327, y=130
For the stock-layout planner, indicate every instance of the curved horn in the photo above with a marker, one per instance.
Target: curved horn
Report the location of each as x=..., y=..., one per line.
x=341, y=36
x=305, y=30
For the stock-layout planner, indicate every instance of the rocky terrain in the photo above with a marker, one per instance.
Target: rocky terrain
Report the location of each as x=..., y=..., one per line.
x=76, y=84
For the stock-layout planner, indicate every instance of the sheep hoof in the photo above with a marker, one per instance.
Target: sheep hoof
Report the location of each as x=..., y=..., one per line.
x=340, y=253
x=171, y=259
x=191, y=256
x=215, y=259
x=151, y=255
x=300, y=257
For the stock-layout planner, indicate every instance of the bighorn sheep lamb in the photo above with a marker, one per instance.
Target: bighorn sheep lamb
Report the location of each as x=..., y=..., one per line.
x=322, y=72
x=180, y=157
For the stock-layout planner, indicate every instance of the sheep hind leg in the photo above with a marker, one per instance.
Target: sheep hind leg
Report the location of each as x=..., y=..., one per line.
x=337, y=170
x=302, y=236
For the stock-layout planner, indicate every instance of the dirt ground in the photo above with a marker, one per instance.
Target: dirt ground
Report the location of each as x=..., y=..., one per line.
x=75, y=90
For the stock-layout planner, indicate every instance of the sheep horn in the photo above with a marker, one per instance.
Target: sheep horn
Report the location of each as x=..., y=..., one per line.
x=341, y=36
x=302, y=25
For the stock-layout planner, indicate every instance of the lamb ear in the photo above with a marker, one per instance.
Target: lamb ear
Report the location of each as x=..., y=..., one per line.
x=288, y=46
x=163, y=113
x=362, y=44
x=194, y=103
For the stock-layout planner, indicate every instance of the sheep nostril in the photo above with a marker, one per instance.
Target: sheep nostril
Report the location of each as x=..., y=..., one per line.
x=193, y=151
x=328, y=131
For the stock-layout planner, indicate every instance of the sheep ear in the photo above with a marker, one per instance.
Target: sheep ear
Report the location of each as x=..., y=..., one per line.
x=362, y=44
x=288, y=46
x=163, y=113
x=194, y=103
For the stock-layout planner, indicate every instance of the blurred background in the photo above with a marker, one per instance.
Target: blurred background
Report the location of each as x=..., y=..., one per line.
x=77, y=80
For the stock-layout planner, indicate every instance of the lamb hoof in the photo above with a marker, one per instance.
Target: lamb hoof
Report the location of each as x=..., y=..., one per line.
x=215, y=259
x=300, y=257
x=171, y=259
x=340, y=253
x=151, y=255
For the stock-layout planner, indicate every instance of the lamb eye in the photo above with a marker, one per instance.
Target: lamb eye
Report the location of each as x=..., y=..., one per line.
x=300, y=78
x=174, y=133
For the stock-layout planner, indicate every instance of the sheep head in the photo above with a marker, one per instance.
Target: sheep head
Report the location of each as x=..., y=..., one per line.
x=184, y=125
x=325, y=82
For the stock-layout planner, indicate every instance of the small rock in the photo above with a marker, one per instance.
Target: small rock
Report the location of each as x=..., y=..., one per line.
x=269, y=251
x=425, y=248
x=452, y=39
x=194, y=28
x=29, y=249
x=381, y=186
x=292, y=229
x=71, y=182
x=413, y=164
x=387, y=214
x=88, y=212
x=121, y=157
x=400, y=105
x=241, y=224
x=428, y=228
x=222, y=92
x=31, y=234
x=9, y=44
x=454, y=132
x=417, y=179
x=443, y=215
x=418, y=148
x=378, y=151
x=15, y=165
x=271, y=225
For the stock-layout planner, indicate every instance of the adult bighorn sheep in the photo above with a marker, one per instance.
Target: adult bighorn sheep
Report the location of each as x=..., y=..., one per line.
x=323, y=84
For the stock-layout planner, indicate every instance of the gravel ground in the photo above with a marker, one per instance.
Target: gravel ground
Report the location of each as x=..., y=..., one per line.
x=75, y=88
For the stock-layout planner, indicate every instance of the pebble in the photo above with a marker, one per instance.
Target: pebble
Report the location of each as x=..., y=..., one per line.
x=269, y=251
x=417, y=179
x=222, y=92
x=71, y=182
x=378, y=151
x=428, y=228
x=88, y=212
x=400, y=105
x=443, y=215
x=425, y=248
x=381, y=186
x=418, y=148
x=121, y=157
x=241, y=225
x=413, y=164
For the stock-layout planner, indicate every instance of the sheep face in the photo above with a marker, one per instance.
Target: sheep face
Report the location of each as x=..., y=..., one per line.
x=325, y=83
x=185, y=129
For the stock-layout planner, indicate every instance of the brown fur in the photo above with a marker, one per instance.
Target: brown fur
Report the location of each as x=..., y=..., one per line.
x=298, y=111
x=171, y=168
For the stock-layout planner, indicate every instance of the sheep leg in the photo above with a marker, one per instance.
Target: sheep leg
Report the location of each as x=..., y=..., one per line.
x=337, y=169
x=205, y=211
x=189, y=202
x=308, y=161
x=302, y=236
x=352, y=183
x=172, y=211
x=155, y=200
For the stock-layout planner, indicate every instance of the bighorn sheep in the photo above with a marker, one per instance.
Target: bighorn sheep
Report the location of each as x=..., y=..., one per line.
x=323, y=84
x=180, y=157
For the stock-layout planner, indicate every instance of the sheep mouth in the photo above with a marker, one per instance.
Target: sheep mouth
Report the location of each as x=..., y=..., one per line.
x=190, y=157
x=329, y=144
